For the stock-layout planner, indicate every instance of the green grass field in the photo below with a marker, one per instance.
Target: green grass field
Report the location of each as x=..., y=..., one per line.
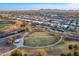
x=39, y=39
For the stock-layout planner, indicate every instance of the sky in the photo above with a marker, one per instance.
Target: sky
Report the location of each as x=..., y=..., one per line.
x=37, y=6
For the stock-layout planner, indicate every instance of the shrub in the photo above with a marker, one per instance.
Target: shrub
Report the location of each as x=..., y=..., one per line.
x=41, y=52
x=75, y=46
x=17, y=52
x=10, y=41
x=76, y=53
x=70, y=47
x=62, y=54
x=69, y=54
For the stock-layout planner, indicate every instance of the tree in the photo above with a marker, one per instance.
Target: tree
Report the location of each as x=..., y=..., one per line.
x=69, y=54
x=41, y=52
x=62, y=54
x=10, y=41
x=76, y=53
x=17, y=52
x=70, y=47
x=75, y=46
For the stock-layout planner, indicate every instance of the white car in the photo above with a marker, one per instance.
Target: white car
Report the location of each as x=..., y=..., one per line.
x=17, y=41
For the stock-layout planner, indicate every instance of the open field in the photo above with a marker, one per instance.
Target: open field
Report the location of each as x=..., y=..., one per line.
x=39, y=39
